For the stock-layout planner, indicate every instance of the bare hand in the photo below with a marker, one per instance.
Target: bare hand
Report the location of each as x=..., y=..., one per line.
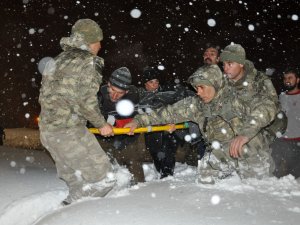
x=236, y=146
x=106, y=130
x=132, y=125
x=172, y=128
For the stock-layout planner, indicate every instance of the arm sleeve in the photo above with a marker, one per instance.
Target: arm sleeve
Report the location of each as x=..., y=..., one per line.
x=88, y=87
x=182, y=111
x=261, y=110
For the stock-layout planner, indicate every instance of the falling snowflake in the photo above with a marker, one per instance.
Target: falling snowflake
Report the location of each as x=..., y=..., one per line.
x=187, y=138
x=251, y=27
x=135, y=13
x=211, y=22
x=125, y=107
x=216, y=145
x=295, y=17
x=215, y=199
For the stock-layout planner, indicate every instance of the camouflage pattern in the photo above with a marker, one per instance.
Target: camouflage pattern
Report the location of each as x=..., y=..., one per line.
x=256, y=90
x=210, y=75
x=80, y=162
x=90, y=30
x=233, y=53
x=224, y=118
x=68, y=96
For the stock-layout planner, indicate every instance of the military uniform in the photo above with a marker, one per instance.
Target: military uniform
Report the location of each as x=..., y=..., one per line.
x=68, y=99
x=221, y=120
x=256, y=90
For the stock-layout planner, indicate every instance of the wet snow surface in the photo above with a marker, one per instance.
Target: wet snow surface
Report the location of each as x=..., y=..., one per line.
x=31, y=194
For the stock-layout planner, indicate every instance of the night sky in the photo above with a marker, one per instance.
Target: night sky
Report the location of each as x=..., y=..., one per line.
x=168, y=32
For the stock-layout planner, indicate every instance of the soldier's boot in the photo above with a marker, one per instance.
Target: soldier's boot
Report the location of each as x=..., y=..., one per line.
x=207, y=173
x=98, y=189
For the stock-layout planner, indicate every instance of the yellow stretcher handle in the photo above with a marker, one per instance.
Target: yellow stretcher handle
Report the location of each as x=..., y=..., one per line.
x=143, y=129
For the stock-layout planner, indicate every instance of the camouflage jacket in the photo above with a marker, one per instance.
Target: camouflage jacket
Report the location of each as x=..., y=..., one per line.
x=256, y=90
x=68, y=95
x=254, y=84
x=221, y=120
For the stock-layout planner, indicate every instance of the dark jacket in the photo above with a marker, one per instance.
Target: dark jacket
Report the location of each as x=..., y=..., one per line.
x=108, y=107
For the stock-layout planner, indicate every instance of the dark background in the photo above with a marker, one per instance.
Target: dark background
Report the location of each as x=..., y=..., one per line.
x=274, y=43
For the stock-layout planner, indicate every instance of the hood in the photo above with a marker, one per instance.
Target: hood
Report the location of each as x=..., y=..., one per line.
x=76, y=40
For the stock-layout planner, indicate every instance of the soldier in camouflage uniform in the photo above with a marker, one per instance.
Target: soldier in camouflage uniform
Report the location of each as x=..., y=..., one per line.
x=223, y=119
x=252, y=87
x=68, y=98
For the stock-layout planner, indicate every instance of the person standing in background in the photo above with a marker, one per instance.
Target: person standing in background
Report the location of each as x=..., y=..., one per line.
x=161, y=145
x=286, y=149
x=211, y=56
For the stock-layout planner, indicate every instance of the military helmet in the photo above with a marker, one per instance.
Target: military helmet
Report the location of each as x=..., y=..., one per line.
x=90, y=30
x=210, y=75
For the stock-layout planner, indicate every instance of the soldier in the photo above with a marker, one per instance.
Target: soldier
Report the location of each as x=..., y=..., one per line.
x=233, y=130
x=210, y=57
x=68, y=98
x=251, y=86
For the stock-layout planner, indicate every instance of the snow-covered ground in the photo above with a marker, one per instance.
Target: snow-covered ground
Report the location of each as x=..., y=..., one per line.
x=31, y=194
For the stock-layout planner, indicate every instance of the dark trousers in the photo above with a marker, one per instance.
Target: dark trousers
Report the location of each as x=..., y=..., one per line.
x=2, y=135
x=162, y=147
x=286, y=155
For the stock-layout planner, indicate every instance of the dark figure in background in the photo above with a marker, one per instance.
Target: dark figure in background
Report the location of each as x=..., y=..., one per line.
x=123, y=147
x=211, y=56
x=161, y=145
x=2, y=135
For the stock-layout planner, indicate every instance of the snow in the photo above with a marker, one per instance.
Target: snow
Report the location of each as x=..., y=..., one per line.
x=125, y=107
x=135, y=13
x=211, y=22
x=31, y=194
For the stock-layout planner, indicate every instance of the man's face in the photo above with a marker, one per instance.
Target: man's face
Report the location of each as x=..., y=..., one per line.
x=205, y=92
x=115, y=93
x=152, y=85
x=233, y=70
x=290, y=81
x=210, y=56
x=95, y=48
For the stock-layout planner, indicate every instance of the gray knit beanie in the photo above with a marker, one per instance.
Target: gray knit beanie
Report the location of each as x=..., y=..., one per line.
x=233, y=53
x=121, y=78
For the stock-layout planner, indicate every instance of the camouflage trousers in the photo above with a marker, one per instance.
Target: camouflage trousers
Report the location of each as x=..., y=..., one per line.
x=256, y=162
x=80, y=162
